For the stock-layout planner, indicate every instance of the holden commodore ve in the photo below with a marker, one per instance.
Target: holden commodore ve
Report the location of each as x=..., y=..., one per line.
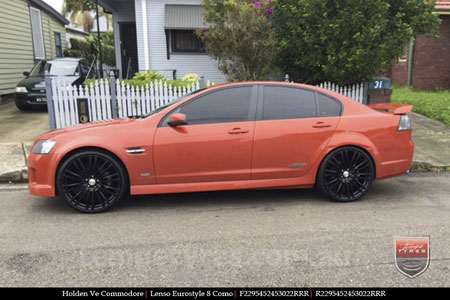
x=249, y=135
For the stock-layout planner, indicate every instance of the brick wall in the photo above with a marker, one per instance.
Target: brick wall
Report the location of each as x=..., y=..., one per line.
x=399, y=73
x=431, y=63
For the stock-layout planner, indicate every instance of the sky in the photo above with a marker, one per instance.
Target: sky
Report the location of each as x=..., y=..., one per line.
x=57, y=4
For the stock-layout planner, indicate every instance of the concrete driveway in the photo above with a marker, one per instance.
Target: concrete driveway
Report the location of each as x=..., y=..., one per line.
x=18, y=126
x=239, y=238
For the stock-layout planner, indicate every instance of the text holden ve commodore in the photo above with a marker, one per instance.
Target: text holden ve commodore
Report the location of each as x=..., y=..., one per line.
x=234, y=136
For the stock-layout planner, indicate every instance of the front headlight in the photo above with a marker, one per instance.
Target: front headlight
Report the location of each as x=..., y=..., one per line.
x=21, y=89
x=44, y=147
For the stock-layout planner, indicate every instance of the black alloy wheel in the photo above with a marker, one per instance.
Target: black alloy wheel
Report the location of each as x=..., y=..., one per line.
x=92, y=181
x=346, y=174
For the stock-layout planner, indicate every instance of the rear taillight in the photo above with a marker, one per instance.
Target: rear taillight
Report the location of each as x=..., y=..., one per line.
x=405, y=123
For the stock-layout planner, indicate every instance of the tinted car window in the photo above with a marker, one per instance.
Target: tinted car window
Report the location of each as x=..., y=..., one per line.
x=288, y=103
x=328, y=107
x=227, y=105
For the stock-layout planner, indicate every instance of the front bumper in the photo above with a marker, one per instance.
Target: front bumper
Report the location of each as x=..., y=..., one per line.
x=31, y=98
x=41, y=172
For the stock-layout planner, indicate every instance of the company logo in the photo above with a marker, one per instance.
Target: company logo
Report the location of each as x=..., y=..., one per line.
x=412, y=255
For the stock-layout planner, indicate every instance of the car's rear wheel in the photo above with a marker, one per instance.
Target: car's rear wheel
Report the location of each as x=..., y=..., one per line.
x=92, y=181
x=346, y=174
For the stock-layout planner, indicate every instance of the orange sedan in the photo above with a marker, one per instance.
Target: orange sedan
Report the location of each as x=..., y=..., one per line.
x=249, y=135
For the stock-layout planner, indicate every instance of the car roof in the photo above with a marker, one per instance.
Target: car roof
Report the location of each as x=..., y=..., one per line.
x=278, y=83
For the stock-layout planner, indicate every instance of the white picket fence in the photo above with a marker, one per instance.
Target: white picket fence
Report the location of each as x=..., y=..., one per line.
x=133, y=100
x=355, y=91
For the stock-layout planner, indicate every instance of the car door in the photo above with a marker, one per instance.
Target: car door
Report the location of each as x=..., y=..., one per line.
x=292, y=128
x=215, y=145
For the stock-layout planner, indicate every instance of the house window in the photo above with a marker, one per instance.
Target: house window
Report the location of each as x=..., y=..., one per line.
x=58, y=45
x=38, y=36
x=186, y=41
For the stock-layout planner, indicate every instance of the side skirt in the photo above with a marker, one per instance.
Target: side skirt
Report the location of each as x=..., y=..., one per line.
x=303, y=182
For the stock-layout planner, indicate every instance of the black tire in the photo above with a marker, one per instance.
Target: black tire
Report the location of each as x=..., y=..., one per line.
x=92, y=181
x=22, y=106
x=346, y=174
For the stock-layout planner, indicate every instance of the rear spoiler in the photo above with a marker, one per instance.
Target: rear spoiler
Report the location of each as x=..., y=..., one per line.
x=397, y=109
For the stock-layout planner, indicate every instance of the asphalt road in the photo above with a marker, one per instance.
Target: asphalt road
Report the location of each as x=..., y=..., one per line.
x=241, y=238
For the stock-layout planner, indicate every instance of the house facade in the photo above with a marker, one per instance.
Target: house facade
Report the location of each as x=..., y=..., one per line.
x=159, y=35
x=426, y=63
x=30, y=30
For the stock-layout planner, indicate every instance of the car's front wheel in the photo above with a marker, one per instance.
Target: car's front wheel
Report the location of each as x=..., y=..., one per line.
x=92, y=181
x=346, y=174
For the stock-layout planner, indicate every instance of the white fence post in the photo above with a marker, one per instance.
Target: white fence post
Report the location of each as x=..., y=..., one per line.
x=112, y=84
x=50, y=107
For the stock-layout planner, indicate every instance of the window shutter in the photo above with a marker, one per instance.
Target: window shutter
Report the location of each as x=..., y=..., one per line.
x=38, y=36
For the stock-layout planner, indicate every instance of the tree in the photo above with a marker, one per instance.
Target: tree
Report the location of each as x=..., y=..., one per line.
x=80, y=13
x=346, y=41
x=240, y=37
x=88, y=48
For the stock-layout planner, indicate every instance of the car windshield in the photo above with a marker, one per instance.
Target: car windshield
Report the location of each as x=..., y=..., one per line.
x=170, y=103
x=55, y=68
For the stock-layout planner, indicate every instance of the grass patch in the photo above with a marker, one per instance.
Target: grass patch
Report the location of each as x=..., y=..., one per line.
x=435, y=105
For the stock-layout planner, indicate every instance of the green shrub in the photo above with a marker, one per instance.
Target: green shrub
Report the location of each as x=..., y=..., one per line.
x=173, y=83
x=88, y=49
x=346, y=41
x=109, y=55
x=142, y=79
x=81, y=49
x=143, y=83
x=148, y=76
x=191, y=77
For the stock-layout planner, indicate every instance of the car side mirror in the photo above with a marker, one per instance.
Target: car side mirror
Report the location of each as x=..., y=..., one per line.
x=177, y=120
x=27, y=74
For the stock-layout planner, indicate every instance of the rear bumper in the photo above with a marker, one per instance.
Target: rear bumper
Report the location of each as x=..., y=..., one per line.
x=41, y=172
x=404, y=153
